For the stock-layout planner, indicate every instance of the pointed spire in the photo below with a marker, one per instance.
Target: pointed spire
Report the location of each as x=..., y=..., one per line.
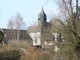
x=42, y=7
x=42, y=16
x=42, y=10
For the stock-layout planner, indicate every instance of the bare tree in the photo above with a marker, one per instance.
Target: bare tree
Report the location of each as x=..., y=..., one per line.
x=67, y=8
x=56, y=25
x=71, y=28
x=16, y=24
x=11, y=26
x=19, y=24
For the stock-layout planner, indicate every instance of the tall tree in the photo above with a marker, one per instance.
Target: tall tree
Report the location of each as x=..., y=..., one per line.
x=16, y=24
x=71, y=27
x=11, y=26
x=19, y=24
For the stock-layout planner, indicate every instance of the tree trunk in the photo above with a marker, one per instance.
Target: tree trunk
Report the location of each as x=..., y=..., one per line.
x=77, y=9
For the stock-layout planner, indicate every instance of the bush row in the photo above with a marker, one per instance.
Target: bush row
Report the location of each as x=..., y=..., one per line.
x=8, y=53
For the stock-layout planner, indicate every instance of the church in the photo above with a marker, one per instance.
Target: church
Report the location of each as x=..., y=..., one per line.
x=38, y=35
x=41, y=34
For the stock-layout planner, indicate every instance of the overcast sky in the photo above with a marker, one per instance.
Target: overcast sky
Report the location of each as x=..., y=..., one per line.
x=29, y=10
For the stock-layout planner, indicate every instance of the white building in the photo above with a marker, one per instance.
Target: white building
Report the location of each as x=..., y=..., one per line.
x=41, y=33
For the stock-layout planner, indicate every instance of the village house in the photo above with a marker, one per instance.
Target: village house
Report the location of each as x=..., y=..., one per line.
x=11, y=34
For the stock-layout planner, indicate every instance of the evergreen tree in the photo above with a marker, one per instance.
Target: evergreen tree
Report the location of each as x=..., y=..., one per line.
x=1, y=36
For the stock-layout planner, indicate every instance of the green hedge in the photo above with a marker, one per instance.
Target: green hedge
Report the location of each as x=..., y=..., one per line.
x=10, y=55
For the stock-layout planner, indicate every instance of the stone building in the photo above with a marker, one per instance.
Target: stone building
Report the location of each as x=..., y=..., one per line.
x=41, y=34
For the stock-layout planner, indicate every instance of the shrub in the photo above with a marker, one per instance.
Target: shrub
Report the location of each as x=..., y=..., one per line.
x=1, y=36
x=35, y=54
x=41, y=56
x=12, y=51
x=18, y=44
x=7, y=53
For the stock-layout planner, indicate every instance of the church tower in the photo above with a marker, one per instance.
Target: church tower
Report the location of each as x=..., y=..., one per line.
x=42, y=17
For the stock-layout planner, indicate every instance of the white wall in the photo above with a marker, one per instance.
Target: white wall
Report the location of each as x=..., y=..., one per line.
x=51, y=43
x=36, y=38
x=55, y=48
x=56, y=36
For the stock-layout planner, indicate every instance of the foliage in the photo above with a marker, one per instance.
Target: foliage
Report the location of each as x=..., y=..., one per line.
x=35, y=54
x=1, y=36
x=7, y=53
x=71, y=34
x=12, y=51
x=18, y=44
x=70, y=29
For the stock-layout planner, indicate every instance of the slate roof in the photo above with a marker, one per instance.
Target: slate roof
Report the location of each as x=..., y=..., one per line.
x=34, y=29
x=39, y=28
x=23, y=34
x=42, y=16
